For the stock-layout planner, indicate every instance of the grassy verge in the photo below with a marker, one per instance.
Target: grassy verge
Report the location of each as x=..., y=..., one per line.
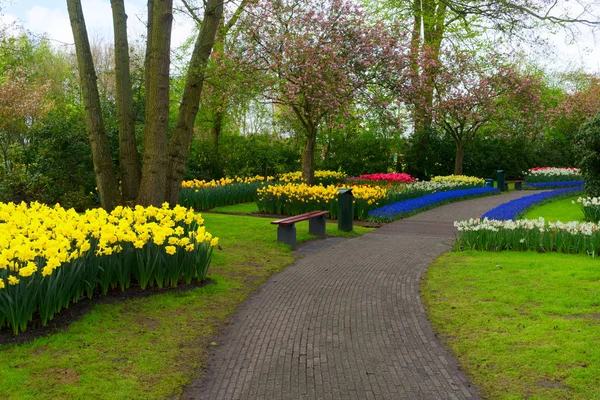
x=558, y=210
x=523, y=325
x=149, y=348
x=242, y=208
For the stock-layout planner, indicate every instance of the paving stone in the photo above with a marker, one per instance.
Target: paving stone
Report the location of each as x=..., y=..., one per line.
x=346, y=321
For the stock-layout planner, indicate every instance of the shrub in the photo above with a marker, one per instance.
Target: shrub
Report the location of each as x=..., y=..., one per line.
x=587, y=145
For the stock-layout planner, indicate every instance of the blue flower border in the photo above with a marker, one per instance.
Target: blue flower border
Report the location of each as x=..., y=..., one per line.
x=513, y=208
x=393, y=211
x=539, y=185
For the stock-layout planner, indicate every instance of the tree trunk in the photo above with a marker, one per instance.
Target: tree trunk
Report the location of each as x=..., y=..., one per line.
x=129, y=158
x=148, y=48
x=104, y=169
x=308, y=157
x=432, y=15
x=190, y=102
x=458, y=161
x=153, y=187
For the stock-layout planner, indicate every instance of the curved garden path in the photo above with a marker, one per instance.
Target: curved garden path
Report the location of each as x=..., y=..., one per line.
x=346, y=322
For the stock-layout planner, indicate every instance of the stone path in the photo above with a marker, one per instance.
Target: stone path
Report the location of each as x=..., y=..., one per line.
x=346, y=322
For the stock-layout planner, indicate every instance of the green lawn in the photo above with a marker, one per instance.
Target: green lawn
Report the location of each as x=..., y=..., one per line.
x=149, y=348
x=559, y=210
x=242, y=208
x=523, y=325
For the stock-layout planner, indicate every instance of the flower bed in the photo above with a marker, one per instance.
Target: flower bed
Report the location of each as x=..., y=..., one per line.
x=402, y=208
x=522, y=235
x=516, y=207
x=392, y=177
x=204, y=195
x=590, y=207
x=299, y=198
x=324, y=178
x=459, y=179
x=552, y=185
x=552, y=174
x=51, y=257
x=294, y=199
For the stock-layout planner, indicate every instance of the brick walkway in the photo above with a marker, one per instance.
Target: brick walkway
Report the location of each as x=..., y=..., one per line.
x=346, y=322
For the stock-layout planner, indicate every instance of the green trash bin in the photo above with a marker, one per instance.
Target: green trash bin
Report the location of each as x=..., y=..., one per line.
x=345, y=209
x=489, y=182
x=500, y=180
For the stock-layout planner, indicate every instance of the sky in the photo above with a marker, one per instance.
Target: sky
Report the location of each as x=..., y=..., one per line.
x=51, y=17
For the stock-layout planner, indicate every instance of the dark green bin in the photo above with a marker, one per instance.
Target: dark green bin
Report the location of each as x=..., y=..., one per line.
x=345, y=209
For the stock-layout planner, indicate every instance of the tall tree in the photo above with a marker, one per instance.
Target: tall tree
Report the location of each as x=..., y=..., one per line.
x=106, y=177
x=433, y=21
x=188, y=108
x=467, y=92
x=318, y=56
x=163, y=161
x=153, y=187
x=129, y=158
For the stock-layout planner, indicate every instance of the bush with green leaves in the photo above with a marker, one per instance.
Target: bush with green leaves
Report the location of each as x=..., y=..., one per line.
x=587, y=146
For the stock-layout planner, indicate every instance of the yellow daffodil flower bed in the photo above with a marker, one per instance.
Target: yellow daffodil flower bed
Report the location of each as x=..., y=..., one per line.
x=299, y=198
x=204, y=195
x=51, y=257
x=321, y=177
x=459, y=179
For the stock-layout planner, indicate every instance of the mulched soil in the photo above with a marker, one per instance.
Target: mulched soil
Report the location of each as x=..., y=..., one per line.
x=76, y=311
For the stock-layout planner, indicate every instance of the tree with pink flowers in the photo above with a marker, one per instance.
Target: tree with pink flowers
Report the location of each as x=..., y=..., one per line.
x=468, y=93
x=318, y=57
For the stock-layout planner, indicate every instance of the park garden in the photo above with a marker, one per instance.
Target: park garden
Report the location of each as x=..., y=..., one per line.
x=138, y=183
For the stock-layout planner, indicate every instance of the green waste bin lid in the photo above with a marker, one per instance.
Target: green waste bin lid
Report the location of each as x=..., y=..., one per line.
x=345, y=190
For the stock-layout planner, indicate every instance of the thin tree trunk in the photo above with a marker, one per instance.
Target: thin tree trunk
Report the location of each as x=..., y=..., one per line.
x=129, y=158
x=148, y=48
x=458, y=161
x=190, y=102
x=156, y=138
x=432, y=15
x=104, y=169
x=216, y=131
x=308, y=156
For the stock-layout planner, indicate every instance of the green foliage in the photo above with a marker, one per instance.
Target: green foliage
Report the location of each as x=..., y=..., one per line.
x=432, y=153
x=587, y=145
x=57, y=163
x=429, y=153
x=360, y=153
x=215, y=196
x=242, y=156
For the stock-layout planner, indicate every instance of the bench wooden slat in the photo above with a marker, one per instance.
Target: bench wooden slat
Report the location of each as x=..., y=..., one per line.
x=297, y=218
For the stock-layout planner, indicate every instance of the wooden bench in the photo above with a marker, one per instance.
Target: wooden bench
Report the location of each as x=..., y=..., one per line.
x=286, y=231
x=518, y=185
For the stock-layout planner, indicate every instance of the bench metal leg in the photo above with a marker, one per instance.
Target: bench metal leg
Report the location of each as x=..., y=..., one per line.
x=317, y=226
x=518, y=185
x=287, y=234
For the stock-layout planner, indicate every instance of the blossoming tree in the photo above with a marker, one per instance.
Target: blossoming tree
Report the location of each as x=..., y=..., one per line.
x=468, y=93
x=319, y=56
